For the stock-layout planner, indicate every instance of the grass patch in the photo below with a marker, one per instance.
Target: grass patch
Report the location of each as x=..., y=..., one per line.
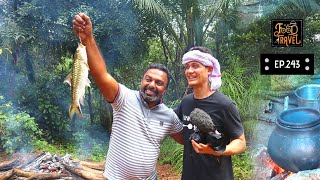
x=167, y=148
x=242, y=165
x=171, y=153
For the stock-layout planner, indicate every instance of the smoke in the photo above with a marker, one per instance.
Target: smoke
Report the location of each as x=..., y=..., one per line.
x=91, y=141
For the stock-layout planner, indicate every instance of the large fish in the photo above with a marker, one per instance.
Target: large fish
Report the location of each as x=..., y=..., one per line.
x=78, y=80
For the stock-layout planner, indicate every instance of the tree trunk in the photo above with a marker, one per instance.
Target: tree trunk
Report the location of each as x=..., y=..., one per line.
x=164, y=48
x=178, y=74
x=15, y=52
x=29, y=67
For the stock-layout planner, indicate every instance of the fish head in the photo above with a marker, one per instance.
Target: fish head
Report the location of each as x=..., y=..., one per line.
x=81, y=53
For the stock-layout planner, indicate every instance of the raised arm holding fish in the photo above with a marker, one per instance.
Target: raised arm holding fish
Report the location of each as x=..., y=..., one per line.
x=140, y=119
x=82, y=27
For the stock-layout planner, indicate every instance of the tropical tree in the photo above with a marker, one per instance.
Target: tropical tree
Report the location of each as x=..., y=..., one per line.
x=41, y=43
x=182, y=24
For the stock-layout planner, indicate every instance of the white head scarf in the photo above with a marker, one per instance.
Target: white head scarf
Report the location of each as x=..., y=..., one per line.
x=207, y=60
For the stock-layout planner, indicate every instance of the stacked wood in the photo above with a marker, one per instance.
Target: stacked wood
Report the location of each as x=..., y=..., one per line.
x=37, y=175
x=80, y=170
x=7, y=165
x=6, y=175
x=85, y=172
x=97, y=166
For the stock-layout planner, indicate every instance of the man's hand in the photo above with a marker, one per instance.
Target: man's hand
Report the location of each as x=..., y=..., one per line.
x=236, y=146
x=204, y=148
x=82, y=27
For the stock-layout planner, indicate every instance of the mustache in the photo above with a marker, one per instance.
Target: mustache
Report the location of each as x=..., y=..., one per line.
x=150, y=89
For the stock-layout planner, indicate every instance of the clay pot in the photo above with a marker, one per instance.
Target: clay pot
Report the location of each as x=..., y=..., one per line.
x=295, y=142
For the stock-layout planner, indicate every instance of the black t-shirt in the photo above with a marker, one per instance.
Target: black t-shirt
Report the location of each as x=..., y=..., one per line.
x=226, y=119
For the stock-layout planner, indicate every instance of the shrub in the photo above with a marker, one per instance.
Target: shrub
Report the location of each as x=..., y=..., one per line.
x=18, y=130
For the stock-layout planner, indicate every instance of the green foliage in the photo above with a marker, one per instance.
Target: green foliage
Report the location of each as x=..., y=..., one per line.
x=98, y=153
x=44, y=101
x=173, y=104
x=86, y=145
x=177, y=159
x=243, y=90
x=249, y=126
x=44, y=146
x=233, y=81
x=17, y=129
x=91, y=143
x=242, y=165
x=171, y=153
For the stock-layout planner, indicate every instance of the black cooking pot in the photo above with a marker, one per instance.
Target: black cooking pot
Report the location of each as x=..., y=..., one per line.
x=294, y=144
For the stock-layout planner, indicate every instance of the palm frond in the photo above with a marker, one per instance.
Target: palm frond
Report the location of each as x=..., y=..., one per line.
x=294, y=9
x=152, y=6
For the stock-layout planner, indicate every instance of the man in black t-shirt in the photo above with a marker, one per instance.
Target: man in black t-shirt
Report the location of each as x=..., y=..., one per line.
x=200, y=161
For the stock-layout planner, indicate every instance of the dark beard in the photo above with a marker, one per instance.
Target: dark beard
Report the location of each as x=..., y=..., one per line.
x=150, y=98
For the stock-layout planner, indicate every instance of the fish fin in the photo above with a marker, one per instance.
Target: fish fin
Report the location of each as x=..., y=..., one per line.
x=82, y=100
x=88, y=82
x=68, y=79
x=75, y=110
x=86, y=64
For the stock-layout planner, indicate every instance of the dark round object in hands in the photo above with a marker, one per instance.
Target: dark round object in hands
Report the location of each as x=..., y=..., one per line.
x=196, y=137
x=216, y=141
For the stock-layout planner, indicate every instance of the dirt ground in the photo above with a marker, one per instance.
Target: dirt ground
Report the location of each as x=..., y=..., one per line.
x=166, y=172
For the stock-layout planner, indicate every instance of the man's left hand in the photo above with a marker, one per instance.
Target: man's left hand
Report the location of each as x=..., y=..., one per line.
x=204, y=148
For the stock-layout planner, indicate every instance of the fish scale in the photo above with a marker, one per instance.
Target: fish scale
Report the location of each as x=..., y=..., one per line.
x=78, y=80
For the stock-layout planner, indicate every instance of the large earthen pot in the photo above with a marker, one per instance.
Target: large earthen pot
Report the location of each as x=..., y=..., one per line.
x=294, y=144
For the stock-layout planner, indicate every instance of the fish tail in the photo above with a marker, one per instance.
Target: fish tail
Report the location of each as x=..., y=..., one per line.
x=73, y=110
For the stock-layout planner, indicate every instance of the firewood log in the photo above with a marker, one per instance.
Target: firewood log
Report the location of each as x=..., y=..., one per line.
x=37, y=175
x=6, y=175
x=86, y=174
x=22, y=173
x=44, y=176
x=92, y=165
x=85, y=168
x=8, y=164
x=29, y=160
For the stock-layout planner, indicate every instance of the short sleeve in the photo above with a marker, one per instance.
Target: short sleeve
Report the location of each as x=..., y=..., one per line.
x=178, y=112
x=234, y=126
x=177, y=125
x=120, y=97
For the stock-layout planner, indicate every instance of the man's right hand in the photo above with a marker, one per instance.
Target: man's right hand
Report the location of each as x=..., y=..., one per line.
x=82, y=27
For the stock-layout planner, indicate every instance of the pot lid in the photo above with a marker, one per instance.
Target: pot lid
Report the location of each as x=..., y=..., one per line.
x=301, y=117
